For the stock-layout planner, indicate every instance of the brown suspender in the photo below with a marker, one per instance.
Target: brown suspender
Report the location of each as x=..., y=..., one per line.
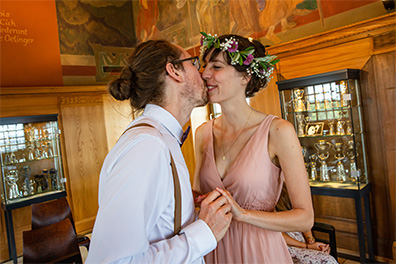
x=176, y=185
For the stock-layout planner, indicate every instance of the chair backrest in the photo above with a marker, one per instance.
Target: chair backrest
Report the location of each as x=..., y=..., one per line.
x=330, y=230
x=55, y=243
x=47, y=213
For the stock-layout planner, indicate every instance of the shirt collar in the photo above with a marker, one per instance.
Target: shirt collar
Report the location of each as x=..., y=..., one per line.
x=166, y=119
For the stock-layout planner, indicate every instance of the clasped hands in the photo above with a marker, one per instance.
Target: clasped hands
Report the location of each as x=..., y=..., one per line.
x=312, y=244
x=217, y=209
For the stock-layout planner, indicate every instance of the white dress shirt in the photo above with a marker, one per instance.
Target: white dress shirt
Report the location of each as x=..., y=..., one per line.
x=135, y=219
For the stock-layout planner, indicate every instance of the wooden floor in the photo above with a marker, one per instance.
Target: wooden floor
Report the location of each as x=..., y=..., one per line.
x=84, y=255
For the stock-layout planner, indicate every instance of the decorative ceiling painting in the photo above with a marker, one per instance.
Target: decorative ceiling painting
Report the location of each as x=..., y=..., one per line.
x=84, y=24
x=273, y=21
x=113, y=23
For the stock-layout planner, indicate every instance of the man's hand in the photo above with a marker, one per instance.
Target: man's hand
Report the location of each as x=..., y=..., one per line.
x=215, y=211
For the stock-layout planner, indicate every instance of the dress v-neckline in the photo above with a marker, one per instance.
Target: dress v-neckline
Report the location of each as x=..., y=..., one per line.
x=239, y=154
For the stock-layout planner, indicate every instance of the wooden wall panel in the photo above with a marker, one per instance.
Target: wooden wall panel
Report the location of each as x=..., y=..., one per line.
x=12, y=105
x=378, y=90
x=267, y=100
x=352, y=55
x=117, y=116
x=368, y=46
x=86, y=147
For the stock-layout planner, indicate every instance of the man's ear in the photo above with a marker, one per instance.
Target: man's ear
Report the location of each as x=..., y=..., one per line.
x=173, y=72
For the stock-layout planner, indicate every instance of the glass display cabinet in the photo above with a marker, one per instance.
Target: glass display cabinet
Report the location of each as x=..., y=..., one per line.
x=326, y=111
x=31, y=165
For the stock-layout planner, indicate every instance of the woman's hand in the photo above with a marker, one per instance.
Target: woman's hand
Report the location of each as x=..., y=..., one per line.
x=320, y=246
x=198, y=200
x=309, y=237
x=237, y=211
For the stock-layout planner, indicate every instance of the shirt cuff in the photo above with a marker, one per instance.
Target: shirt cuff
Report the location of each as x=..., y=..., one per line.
x=201, y=236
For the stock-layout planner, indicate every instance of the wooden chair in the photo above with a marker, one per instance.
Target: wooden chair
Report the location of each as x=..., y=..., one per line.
x=47, y=213
x=331, y=238
x=55, y=243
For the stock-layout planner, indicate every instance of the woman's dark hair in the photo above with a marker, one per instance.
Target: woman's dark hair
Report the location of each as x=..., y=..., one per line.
x=142, y=81
x=255, y=84
x=284, y=203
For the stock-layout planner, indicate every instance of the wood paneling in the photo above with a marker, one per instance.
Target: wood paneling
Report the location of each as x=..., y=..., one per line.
x=368, y=46
x=353, y=54
x=86, y=147
x=379, y=97
x=365, y=29
x=270, y=96
x=117, y=116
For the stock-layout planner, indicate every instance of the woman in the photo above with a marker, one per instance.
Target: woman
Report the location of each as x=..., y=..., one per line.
x=302, y=245
x=248, y=154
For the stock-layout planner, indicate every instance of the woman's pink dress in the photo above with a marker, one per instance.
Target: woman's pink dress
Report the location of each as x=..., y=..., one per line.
x=255, y=183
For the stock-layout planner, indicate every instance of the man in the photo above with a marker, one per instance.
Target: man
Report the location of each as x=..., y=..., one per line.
x=135, y=220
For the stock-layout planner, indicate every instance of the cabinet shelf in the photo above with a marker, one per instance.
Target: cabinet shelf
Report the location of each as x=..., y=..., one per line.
x=343, y=108
x=29, y=161
x=331, y=136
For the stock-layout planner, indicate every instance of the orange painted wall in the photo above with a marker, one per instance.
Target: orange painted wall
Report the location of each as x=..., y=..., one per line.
x=29, y=46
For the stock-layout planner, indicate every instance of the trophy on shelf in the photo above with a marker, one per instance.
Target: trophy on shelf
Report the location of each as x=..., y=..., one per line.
x=323, y=147
x=313, y=175
x=44, y=154
x=7, y=159
x=30, y=152
x=41, y=182
x=29, y=133
x=308, y=103
x=349, y=127
x=25, y=173
x=301, y=126
x=38, y=152
x=339, y=156
x=13, y=158
x=331, y=127
x=340, y=124
x=343, y=90
x=352, y=163
x=298, y=101
x=53, y=176
x=11, y=179
x=49, y=150
x=328, y=104
x=23, y=158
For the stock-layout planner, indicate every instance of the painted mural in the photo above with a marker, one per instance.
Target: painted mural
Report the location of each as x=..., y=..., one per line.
x=88, y=27
x=125, y=23
x=82, y=22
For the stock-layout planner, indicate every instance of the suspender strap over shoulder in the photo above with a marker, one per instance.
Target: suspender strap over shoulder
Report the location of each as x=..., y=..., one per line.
x=176, y=185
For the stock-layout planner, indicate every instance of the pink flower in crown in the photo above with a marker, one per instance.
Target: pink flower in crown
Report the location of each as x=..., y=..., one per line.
x=234, y=46
x=202, y=39
x=249, y=59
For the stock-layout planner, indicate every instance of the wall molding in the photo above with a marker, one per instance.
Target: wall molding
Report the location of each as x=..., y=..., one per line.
x=52, y=90
x=368, y=28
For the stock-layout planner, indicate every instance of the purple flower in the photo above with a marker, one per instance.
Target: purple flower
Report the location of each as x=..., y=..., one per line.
x=234, y=47
x=249, y=59
x=202, y=39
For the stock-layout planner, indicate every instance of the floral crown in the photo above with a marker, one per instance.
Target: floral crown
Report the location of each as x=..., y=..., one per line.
x=262, y=67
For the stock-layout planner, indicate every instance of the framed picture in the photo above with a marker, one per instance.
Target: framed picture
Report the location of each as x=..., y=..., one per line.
x=314, y=129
